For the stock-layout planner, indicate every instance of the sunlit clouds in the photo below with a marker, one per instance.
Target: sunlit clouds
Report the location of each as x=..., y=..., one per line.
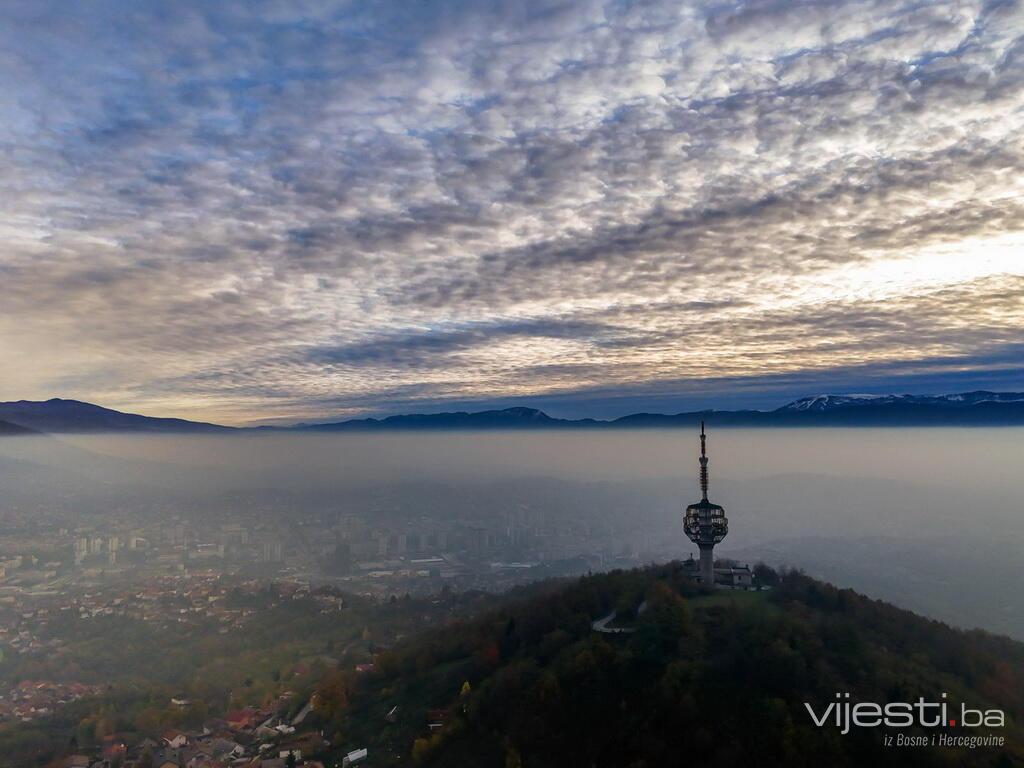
x=247, y=211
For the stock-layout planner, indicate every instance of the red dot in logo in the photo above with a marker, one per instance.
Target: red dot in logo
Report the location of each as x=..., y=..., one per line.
x=952, y=722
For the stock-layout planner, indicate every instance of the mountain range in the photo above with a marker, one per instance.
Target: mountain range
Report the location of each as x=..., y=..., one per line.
x=979, y=408
x=964, y=409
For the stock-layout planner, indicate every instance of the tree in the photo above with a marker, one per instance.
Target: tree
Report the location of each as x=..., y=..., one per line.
x=765, y=576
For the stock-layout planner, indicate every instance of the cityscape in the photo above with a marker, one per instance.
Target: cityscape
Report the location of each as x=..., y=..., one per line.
x=262, y=604
x=511, y=384
x=192, y=577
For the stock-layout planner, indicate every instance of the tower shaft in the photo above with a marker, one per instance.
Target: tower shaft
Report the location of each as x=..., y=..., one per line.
x=707, y=564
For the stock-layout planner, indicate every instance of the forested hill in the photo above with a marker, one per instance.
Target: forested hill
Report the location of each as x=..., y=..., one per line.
x=705, y=680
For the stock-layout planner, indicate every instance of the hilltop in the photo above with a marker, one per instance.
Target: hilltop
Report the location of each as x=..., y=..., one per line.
x=708, y=679
x=544, y=677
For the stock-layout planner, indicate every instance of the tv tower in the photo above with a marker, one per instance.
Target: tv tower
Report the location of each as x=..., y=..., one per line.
x=705, y=523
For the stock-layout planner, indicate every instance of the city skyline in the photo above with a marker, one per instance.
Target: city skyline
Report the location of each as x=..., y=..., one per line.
x=252, y=212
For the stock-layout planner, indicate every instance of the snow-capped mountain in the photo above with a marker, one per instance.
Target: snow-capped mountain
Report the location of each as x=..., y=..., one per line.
x=824, y=403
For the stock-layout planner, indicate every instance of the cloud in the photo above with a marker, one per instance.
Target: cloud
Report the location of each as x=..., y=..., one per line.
x=245, y=210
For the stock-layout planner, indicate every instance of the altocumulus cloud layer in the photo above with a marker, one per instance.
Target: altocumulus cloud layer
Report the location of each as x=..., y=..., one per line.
x=284, y=209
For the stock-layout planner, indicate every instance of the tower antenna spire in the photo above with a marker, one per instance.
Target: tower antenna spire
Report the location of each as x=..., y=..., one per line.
x=703, y=462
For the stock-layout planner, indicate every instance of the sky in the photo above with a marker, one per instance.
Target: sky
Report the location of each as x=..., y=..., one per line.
x=270, y=211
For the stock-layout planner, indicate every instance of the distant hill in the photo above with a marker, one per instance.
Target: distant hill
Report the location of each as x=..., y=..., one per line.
x=58, y=415
x=717, y=680
x=507, y=418
x=7, y=429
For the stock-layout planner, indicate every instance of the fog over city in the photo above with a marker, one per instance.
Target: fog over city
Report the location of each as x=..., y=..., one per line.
x=928, y=518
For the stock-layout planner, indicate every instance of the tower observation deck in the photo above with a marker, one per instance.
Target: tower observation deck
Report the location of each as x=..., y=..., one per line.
x=705, y=523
